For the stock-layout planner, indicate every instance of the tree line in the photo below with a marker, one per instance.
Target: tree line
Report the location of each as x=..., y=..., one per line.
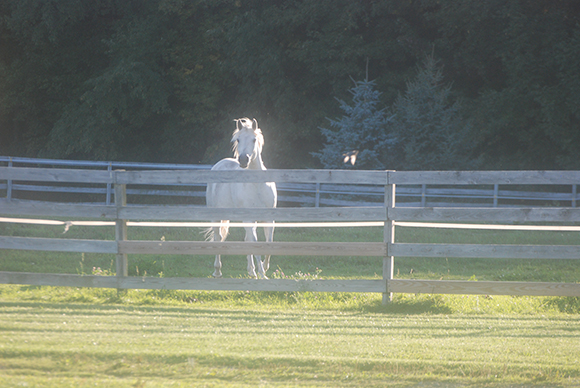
x=162, y=80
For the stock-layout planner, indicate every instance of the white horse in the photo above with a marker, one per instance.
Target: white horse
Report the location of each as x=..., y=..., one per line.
x=248, y=142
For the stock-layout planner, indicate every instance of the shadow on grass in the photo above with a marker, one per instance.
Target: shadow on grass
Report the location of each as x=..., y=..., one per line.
x=431, y=304
x=402, y=304
x=172, y=299
x=567, y=305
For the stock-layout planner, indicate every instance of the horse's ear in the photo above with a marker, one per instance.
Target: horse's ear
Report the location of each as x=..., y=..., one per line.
x=254, y=124
x=237, y=124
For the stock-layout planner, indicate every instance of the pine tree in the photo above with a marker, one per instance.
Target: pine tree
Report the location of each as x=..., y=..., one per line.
x=363, y=129
x=429, y=126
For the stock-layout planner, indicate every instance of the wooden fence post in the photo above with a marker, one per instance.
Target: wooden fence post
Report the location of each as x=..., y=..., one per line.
x=9, y=183
x=317, y=197
x=121, y=229
x=389, y=238
x=108, y=195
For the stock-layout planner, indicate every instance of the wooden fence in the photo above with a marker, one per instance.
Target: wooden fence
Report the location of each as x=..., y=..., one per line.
x=387, y=215
x=289, y=193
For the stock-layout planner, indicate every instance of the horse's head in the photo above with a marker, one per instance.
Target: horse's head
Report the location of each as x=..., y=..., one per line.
x=248, y=141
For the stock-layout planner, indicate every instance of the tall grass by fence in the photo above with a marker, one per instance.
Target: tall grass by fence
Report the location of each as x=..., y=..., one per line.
x=386, y=213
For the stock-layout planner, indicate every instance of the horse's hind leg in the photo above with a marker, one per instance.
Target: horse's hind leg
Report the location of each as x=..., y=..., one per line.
x=269, y=234
x=217, y=273
x=252, y=236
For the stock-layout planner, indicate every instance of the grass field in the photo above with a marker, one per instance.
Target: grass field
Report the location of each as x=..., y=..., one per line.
x=325, y=267
x=68, y=337
x=165, y=339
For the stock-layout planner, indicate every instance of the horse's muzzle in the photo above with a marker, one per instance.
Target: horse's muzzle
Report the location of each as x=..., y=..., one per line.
x=244, y=159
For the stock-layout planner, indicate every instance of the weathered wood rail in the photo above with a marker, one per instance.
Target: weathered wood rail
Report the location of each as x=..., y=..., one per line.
x=296, y=194
x=388, y=214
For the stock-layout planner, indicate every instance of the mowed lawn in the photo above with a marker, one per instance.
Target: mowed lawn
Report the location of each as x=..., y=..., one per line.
x=419, y=341
x=68, y=337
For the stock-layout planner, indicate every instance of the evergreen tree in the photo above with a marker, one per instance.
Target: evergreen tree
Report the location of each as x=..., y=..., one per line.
x=363, y=129
x=431, y=132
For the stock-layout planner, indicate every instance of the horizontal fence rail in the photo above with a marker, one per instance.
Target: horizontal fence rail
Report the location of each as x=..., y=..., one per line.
x=386, y=212
x=440, y=190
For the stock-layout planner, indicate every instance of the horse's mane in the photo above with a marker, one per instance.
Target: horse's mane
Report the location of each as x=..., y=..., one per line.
x=257, y=132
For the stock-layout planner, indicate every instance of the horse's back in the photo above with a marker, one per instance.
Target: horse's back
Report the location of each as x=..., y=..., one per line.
x=227, y=164
x=239, y=194
x=242, y=195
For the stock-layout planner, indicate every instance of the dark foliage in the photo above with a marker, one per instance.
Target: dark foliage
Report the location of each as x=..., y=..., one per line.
x=162, y=80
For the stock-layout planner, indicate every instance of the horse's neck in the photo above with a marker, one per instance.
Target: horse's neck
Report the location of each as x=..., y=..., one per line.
x=257, y=164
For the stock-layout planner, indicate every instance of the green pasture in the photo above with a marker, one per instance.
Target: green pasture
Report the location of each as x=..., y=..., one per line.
x=69, y=337
x=322, y=267
x=53, y=337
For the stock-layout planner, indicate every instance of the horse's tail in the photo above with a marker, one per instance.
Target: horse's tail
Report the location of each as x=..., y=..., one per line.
x=208, y=234
x=224, y=230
